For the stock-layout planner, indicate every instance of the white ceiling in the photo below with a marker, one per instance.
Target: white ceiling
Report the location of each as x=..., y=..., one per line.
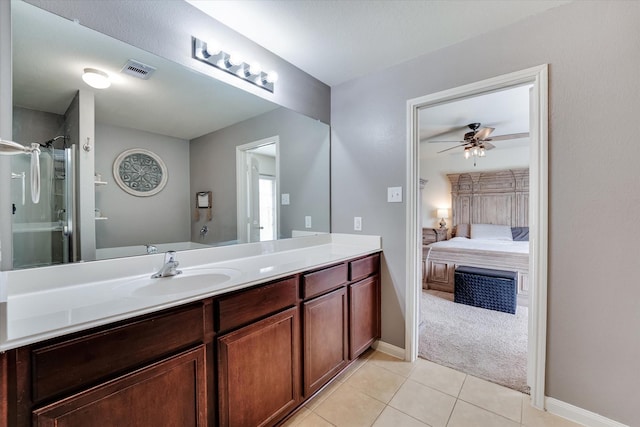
x=338, y=40
x=507, y=111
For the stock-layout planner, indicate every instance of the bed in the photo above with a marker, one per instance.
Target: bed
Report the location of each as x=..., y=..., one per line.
x=489, y=210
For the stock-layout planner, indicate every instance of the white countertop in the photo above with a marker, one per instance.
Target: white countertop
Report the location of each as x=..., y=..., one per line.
x=42, y=303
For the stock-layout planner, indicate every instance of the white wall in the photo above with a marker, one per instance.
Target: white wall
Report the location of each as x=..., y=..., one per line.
x=437, y=192
x=593, y=344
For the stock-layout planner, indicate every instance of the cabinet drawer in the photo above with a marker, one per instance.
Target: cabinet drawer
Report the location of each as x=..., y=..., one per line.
x=71, y=364
x=364, y=267
x=167, y=393
x=322, y=281
x=244, y=307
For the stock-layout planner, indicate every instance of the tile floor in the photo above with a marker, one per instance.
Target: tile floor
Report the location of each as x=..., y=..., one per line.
x=380, y=390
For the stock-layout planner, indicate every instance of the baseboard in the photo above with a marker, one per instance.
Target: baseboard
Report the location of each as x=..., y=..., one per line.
x=578, y=415
x=389, y=349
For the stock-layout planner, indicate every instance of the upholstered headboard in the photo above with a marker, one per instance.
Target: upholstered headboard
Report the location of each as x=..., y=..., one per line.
x=495, y=197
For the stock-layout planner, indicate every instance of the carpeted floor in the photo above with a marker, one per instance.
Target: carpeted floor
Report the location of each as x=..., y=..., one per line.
x=484, y=343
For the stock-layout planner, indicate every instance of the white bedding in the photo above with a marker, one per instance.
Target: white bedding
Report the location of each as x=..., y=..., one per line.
x=483, y=245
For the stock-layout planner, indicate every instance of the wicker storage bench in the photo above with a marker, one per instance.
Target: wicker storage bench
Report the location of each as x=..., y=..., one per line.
x=485, y=288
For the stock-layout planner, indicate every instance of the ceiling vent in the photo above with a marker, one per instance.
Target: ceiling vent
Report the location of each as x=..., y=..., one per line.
x=138, y=69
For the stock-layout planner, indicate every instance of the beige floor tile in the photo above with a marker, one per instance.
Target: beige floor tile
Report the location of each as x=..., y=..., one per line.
x=532, y=417
x=314, y=420
x=322, y=396
x=468, y=415
x=424, y=403
x=436, y=376
x=297, y=417
x=376, y=382
x=493, y=397
x=391, y=417
x=349, y=407
x=391, y=363
x=359, y=363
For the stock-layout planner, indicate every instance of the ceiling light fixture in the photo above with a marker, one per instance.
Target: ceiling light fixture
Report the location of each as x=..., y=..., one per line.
x=233, y=63
x=475, y=151
x=96, y=78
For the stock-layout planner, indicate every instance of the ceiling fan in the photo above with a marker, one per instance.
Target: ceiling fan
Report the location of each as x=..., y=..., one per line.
x=476, y=141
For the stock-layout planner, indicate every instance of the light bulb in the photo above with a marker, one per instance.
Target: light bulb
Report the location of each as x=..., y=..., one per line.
x=96, y=78
x=475, y=151
x=482, y=153
x=272, y=77
x=213, y=48
x=235, y=59
x=254, y=68
x=467, y=153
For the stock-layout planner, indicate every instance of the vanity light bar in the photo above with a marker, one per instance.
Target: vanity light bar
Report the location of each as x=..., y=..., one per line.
x=232, y=63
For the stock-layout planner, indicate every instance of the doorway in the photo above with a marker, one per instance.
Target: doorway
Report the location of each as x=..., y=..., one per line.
x=474, y=156
x=538, y=213
x=257, y=169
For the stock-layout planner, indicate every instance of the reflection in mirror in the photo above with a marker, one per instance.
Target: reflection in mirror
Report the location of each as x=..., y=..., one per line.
x=192, y=125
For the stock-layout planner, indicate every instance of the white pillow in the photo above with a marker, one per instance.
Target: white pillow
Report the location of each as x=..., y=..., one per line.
x=491, y=232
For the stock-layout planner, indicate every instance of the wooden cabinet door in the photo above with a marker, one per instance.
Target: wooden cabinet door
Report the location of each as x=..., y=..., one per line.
x=364, y=314
x=168, y=393
x=325, y=338
x=259, y=371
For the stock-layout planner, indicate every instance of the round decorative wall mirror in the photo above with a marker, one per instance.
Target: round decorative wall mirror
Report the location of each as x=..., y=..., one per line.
x=140, y=172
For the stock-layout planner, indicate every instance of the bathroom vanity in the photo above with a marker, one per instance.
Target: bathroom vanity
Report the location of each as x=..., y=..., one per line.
x=245, y=353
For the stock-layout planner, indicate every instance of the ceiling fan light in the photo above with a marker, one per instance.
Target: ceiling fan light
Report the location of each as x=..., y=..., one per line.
x=482, y=152
x=467, y=153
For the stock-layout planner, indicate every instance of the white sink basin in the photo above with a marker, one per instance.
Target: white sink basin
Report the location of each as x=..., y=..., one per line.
x=189, y=281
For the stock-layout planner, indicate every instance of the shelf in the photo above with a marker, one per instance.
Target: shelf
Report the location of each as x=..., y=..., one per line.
x=100, y=182
x=101, y=218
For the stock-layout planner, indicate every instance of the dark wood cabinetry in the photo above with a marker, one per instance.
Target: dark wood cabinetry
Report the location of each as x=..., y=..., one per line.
x=325, y=338
x=171, y=392
x=364, y=315
x=259, y=371
x=246, y=358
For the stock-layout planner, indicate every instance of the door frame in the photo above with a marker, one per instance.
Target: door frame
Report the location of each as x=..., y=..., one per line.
x=538, y=214
x=241, y=185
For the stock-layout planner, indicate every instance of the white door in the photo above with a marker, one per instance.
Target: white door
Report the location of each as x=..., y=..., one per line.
x=253, y=199
x=255, y=162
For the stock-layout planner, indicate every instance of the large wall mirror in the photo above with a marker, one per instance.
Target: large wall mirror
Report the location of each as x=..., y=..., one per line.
x=232, y=167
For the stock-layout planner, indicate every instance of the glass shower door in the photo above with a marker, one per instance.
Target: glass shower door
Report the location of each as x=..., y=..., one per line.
x=43, y=231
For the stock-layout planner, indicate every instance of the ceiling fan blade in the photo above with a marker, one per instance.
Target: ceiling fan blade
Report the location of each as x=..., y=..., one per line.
x=509, y=136
x=483, y=133
x=488, y=146
x=452, y=148
x=450, y=142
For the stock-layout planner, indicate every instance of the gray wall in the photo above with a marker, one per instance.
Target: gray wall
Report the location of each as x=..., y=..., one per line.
x=161, y=218
x=165, y=28
x=304, y=166
x=594, y=99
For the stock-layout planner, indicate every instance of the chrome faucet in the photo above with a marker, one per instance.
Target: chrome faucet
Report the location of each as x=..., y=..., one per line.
x=169, y=268
x=203, y=231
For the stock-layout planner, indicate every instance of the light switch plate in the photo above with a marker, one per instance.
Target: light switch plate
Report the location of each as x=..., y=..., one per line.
x=394, y=194
x=357, y=223
x=284, y=198
x=307, y=221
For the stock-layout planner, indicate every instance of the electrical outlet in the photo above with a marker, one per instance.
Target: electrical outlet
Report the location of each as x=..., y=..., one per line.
x=307, y=221
x=284, y=198
x=394, y=194
x=357, y=223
